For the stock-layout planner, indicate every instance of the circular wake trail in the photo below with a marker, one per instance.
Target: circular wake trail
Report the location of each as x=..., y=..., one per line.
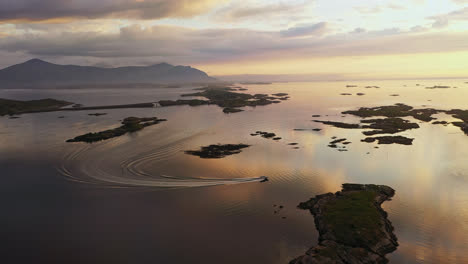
x=98, y=164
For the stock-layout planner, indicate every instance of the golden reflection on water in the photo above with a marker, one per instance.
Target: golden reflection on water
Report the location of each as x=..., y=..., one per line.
x=430, y=177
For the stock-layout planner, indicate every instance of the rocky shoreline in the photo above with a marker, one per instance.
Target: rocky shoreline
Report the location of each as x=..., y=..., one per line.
x=353, y=228
x=129, y=124
x=217, y=151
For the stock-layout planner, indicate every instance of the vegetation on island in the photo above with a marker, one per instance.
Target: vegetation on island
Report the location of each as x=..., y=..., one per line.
x=390, y=140
x=352, y=226
x=129, y=124
x=393, y=122
x=265, y=134
x=227, y=98
x=217, y=151
x=15, y=107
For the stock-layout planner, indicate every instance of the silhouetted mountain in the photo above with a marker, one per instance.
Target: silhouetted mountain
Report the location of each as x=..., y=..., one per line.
x=37, y=72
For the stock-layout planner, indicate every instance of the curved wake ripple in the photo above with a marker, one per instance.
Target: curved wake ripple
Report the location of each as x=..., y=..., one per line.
x=97, y=164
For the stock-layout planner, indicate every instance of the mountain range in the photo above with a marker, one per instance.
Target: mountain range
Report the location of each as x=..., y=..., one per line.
x=39, y=73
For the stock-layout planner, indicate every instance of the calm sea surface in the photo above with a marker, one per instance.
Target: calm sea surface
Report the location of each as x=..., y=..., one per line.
x=139, y=199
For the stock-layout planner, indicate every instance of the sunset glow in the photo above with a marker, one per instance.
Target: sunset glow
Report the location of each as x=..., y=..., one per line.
x=361, y=39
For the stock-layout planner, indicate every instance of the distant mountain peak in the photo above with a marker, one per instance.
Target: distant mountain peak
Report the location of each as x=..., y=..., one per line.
x=36, y=61
x=162, y=64
x=36, y=72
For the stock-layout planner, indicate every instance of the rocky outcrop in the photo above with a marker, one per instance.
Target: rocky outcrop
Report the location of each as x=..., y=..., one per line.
x=352, y=226
x=389, y=140
x=217, y=151
x=129, y=124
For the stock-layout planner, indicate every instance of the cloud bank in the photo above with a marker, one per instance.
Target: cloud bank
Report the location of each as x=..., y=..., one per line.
x=37, y=10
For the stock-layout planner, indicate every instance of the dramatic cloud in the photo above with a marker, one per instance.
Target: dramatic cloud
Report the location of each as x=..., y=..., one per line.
x=307, y=30
x=136, y=44
x=443, y=20
x=62, y=10
x=230, y=32
x=237, y=10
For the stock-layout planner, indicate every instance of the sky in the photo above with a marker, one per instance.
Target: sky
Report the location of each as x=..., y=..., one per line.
x=295, y=39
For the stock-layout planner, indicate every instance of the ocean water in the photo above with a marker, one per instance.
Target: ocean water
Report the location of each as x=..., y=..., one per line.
x=140, y=199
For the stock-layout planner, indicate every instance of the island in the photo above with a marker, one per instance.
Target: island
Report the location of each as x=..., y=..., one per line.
x=352, y=226
x=129, y=124
x=393, y=122
x=217, y=151
x=16, y=107
x=222, y=96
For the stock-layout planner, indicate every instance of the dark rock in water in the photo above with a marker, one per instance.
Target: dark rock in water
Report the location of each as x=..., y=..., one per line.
x=393, y=123
x=276, y=138
x=192, y=102
x=462, y=125
x=229, y=110
x=345, y=94
x=296, y=148
x=390, y=125
x=305, y=129
x=438, y=87
x=315, y=115
x=293, y=144
x=338, y=141
x=338, y=124
x=280, y=94
x=352, y=226
x=440, y=123
x=460, y=114
x=265, y=134
x=390, y=140
x=333, y=144
x=97, y=114
x=217, y=151
x=394, y=95
x=397, y=110
x=264, y=179
x=14, y=117
x=349, y=86
x=129, y=124
x=268, y=135
x=360, y=94
x=242, y=89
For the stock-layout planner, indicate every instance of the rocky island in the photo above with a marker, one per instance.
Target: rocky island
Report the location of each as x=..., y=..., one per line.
x=352, y=226
x=129, y=124
x=226, y=98
x=217, y=151
x=15, y=107
x=393, y=122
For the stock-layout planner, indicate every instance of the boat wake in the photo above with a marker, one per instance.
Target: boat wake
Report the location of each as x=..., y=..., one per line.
x=99, y=164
